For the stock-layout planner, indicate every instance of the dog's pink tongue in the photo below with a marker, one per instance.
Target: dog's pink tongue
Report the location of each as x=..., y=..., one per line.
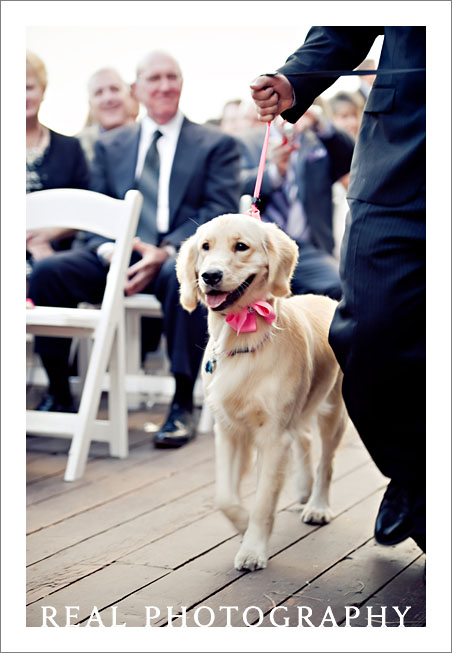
x=215, y=300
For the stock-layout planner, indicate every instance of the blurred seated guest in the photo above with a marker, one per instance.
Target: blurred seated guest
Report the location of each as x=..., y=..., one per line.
x=250, y=118
x=52, y=161
x=232, y=120
x=187, y=174
x=296, y=193
x=346, y=113
x=111, y=104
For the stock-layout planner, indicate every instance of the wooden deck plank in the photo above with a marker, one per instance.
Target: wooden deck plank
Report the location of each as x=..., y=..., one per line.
x=214, y=570
x=104, y=547
x=185, y=544
x=47, y=541
x=405, y=589
x=105, y=587
x=202, y=535
x=134, y=473
x=56, y=450
x=55, y=446
x=59, y=570
x=111, y=487
x=290, y=569
x=352, y=581
x=119, y=511
x=43, y=467
x=105, y=467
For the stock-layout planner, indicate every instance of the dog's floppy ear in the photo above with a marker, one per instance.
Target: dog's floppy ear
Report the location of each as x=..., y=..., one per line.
x=282, y=259
x=186, y=274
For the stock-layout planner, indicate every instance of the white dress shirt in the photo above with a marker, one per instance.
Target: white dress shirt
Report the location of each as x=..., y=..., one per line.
x=166, y=146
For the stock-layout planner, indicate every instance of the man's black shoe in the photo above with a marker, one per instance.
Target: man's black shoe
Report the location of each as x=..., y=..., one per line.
x=50, y=404
x=178, y=429
x=400, y=514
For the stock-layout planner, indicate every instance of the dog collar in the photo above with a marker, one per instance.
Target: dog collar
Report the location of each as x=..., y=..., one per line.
x=211, y=364
x=245, y=321
x=249, y=350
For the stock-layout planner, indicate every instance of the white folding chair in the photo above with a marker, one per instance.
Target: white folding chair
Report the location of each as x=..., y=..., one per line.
x=116, y=219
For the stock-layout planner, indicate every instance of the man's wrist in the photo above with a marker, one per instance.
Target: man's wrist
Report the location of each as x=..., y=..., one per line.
x=282, y=77
x=105, y=252
x=170, y=249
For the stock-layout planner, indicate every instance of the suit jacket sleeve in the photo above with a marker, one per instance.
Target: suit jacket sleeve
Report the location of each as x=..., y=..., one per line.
x=325, y=48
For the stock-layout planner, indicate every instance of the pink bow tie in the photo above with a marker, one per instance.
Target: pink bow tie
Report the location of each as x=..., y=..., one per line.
x=245, y=321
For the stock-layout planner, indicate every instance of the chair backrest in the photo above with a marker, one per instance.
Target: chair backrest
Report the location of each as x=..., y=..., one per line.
x=75, y=208
x=86, y=210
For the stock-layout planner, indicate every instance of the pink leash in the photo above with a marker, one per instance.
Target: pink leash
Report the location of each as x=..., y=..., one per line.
x=253, y=211
x=245, y=321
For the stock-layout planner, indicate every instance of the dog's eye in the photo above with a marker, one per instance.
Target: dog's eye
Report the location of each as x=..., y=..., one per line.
x=241, y=247
x=205, y=246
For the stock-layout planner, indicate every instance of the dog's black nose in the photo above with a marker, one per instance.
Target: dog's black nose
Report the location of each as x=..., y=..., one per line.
x=212, y=277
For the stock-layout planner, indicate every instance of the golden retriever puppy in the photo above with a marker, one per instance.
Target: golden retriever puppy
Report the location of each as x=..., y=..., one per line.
x=269, y=374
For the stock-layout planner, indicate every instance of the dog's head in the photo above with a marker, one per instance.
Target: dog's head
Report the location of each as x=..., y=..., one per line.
x=235, y=260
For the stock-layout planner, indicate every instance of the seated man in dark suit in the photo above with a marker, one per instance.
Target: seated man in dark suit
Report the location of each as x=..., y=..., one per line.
x=296, y=193
x=188, y=174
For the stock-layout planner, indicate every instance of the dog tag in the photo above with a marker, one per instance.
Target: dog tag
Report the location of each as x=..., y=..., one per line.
x=210, y=366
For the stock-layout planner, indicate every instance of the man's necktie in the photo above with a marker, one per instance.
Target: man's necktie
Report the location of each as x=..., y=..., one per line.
x=148, y=185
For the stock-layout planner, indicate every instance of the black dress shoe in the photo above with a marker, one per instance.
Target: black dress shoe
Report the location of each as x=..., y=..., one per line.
x=178, y=429
x=51, y=404
x=401, y=515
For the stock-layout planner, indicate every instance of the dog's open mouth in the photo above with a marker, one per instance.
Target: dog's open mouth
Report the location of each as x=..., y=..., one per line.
x=218, y=300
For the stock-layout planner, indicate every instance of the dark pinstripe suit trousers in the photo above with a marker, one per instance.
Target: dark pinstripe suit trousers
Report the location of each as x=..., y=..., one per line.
x=378, y=335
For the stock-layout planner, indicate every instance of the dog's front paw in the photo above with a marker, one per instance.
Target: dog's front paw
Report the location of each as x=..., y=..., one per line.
x=251, y=558
x=316, y=515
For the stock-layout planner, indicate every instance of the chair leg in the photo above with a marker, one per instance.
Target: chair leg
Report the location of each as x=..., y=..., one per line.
x=133, y=331
x=78, y=452
x=83, y=354
x=89, y=405
x=133, y=359
x=117, y=404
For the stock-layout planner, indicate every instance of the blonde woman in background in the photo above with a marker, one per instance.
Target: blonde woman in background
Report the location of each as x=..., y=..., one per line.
x=52, y=161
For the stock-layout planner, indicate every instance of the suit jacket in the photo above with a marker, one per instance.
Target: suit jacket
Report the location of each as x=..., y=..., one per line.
x=63, y=165
x=388, y=165
x=322, y=160
x=204, y=180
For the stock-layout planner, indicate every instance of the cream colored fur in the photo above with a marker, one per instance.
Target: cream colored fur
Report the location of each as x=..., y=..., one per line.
x=266, y=399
